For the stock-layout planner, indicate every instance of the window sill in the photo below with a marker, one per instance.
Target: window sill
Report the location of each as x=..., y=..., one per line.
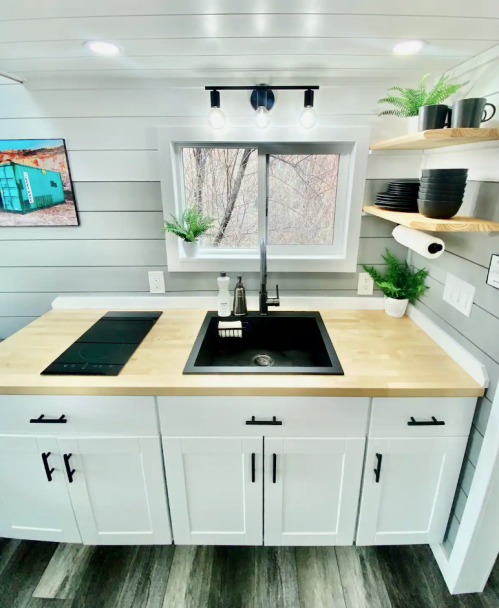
x=251, y=263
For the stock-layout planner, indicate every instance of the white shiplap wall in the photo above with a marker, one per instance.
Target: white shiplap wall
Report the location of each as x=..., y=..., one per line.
x=111, y=138
x=468, y=256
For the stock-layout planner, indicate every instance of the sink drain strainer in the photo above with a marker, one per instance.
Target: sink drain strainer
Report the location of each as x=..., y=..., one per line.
x=263, y=360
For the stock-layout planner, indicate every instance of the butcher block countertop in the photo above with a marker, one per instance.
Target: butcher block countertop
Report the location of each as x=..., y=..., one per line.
x=380, y=356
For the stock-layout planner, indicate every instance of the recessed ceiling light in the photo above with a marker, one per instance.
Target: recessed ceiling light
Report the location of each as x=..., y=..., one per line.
x=408, y=47
x=103, y=48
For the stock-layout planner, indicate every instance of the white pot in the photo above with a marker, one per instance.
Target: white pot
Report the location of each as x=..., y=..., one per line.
x=412, y=124
x=191, y=248
x=395, y=308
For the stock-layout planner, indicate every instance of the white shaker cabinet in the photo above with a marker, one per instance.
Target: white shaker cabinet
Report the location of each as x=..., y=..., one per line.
x=117, y=489
x=409, y=485
x=312, y=490
x=215, y=489
x=34, y=499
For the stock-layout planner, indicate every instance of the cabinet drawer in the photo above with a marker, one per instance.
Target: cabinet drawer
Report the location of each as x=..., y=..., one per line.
x=418, y=416
x=88, y=415
x=228, y=416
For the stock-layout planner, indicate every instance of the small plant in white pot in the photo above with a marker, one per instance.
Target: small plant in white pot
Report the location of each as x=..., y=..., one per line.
x=399, y=284
x=189, y=227
x=407, y=104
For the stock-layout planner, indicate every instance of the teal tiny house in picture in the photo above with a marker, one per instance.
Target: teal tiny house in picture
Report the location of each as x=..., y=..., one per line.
x=24, y=188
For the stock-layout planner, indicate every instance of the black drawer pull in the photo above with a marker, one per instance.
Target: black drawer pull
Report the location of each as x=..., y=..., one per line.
x=43, y=420
x=432, y=422
x=272, y=422
x=274, y=468
x=377, y=470
x=46, y=466
x=70, y=472
x=253, y=468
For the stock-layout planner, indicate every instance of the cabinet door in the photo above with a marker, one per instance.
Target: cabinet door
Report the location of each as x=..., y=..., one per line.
x=31, y=506
x=312, y=490
x=408, y=489
x=215, y=488
x=118, y=490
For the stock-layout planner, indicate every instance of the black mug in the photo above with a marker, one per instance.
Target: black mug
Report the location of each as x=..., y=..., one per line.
x=435, y=116
x=470, y=113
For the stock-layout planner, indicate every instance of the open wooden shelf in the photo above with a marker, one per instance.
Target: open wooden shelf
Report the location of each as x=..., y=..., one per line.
x=459, y=223
x=437, y=138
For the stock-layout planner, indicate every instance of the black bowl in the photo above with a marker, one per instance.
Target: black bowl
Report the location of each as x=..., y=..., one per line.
x=456, y=179
x=443, y=172
x=442, y=210
x=443, y=188
x=449, y=189
x=439, y=197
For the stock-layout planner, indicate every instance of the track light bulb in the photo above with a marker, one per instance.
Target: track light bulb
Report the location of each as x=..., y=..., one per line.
x=262, y=117
x=216, y=118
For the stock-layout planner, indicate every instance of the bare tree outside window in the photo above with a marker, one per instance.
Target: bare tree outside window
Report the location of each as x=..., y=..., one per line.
x=302, y=198
x=223, y=183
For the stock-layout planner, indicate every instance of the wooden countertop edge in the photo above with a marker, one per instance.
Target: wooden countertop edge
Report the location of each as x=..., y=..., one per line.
x=245, y=392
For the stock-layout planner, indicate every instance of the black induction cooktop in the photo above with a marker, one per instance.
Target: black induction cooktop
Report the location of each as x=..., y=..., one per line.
x=104, y=349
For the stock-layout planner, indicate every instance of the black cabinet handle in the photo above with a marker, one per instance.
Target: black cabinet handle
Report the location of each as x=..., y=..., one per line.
x=272, y=422
x=46, y=466
x=377, y=470
x=42, y=420
x=70, y=472
x=432, y=422
x=253, y=468
x=274, y=468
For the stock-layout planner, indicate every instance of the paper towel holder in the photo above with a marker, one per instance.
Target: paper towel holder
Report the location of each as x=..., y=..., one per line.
x=415, y=240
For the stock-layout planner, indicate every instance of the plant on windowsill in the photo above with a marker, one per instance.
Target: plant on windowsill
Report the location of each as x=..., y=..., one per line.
x=399, y=284
x=407, y=104
x=189, y=227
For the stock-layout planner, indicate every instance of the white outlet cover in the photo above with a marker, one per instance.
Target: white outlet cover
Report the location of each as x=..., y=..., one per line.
x=366, y=284
x=156, y=281
x=459, y=294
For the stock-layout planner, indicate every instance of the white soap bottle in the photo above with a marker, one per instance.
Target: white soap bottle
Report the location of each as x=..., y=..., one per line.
x=224, y=299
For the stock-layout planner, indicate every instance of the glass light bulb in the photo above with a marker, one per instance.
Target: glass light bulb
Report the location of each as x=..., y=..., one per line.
x=308, y=118
x=408, y=47
x=216, y=118
x=262, y=117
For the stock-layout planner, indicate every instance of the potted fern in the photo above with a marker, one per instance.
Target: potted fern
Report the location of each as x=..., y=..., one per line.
x=189, y=227
x=407, y=104
x=400, y=284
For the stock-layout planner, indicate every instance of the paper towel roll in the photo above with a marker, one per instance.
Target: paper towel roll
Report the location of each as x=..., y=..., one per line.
x=426, y=245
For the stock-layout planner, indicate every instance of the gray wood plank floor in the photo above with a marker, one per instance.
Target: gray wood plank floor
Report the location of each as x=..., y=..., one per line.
x=44, y=575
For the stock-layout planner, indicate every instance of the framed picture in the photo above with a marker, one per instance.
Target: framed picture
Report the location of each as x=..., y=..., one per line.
x=35, y=184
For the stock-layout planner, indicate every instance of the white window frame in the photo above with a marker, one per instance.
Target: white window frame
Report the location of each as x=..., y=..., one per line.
x=351, y=143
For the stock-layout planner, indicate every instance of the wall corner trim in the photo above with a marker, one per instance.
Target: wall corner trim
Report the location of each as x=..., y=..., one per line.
x=461, y=356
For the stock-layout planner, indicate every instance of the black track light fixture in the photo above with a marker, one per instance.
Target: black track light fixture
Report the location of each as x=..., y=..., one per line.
x=262, y=100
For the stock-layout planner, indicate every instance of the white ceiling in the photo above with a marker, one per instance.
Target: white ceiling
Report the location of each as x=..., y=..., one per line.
x=256, y=40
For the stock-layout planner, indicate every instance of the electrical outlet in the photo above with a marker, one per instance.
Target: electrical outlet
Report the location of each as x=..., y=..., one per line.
x=459, y=294
x=156, y=281
x=366, y=284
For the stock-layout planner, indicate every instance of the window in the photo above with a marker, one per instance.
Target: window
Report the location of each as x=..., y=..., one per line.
x=302, y=198
x=309, y=191
x=223, y=183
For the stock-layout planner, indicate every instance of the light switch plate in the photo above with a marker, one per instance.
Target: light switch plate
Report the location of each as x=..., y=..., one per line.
x=493, y=274
x=459, y=293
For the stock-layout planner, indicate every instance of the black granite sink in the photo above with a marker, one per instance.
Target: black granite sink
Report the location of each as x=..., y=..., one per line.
x=279, y=343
